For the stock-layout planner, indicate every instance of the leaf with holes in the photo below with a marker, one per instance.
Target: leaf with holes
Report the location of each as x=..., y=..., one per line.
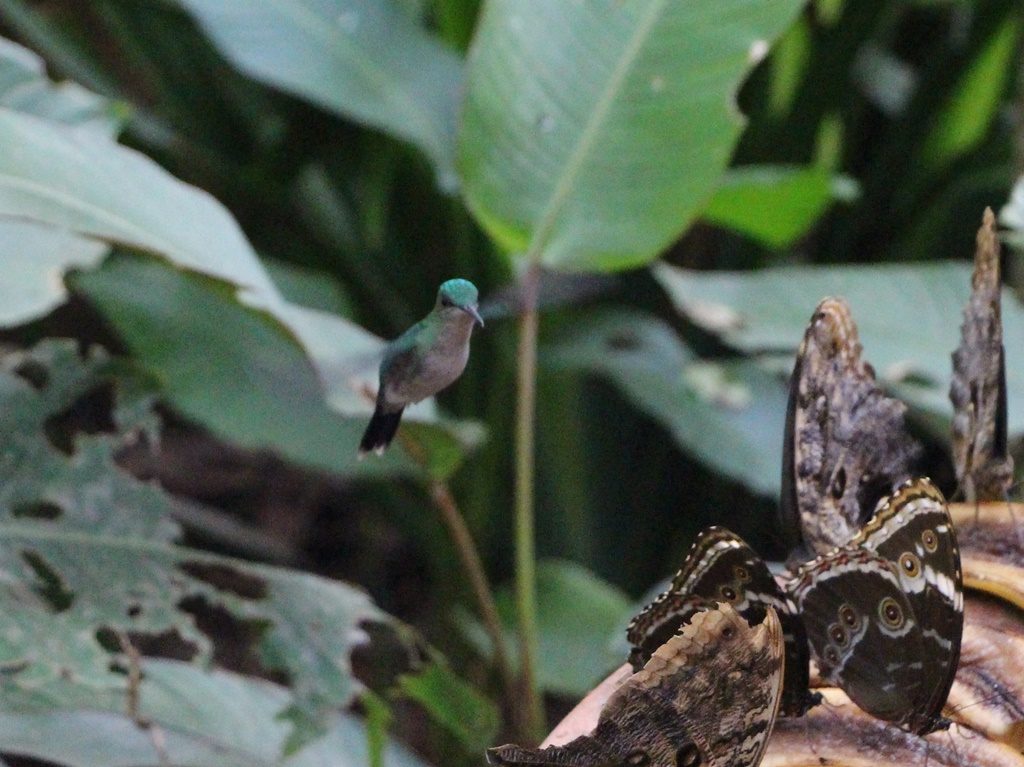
x=87, y=561
x=195, y=719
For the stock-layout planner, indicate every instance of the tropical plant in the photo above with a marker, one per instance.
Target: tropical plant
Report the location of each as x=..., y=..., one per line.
x=228, y=205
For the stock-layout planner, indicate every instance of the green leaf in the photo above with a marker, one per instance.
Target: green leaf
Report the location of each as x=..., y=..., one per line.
x=37, y=479
x=594, y=132
x=197, y=718
x=908, y=317
x=24, y=87
x=262, y=390
x=87, y=184
x=378, y=720
x=85, y=551
x=978, y=97
x=35, y=258
x=577, y=616
x=775, y=205
x=91, y=186
x=362, y=59
x=309, y=288
x=454, y=704
x=729, y=415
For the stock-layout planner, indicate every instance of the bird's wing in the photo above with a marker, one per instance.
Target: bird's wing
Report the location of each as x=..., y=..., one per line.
x=400, y=358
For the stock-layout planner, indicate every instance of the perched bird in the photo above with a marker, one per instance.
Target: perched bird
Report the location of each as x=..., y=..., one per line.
x=426, y=358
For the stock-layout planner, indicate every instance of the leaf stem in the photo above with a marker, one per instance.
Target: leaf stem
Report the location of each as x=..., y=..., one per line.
x=452, y=518
x=532, y=724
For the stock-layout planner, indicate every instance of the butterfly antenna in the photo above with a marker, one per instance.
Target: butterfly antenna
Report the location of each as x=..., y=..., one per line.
x=1000, y=693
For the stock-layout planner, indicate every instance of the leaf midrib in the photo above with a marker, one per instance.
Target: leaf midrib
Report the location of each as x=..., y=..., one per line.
x=588, y=136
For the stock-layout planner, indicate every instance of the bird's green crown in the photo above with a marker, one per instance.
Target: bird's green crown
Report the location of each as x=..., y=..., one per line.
x=461, y=293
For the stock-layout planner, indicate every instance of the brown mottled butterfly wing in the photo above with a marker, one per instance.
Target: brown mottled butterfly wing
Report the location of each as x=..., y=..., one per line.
x=846, y=444
x=708, y=696
x=722, y=567
x=984, y=467
x=913, y=530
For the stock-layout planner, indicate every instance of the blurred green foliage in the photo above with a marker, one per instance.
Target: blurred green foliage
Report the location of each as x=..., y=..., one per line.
x=359, y=152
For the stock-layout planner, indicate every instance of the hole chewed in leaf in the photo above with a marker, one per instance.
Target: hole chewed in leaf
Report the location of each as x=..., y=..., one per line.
x=166, y=644
x=34, y=373
x=49, y=584
x=92, y=413
x=37, y=510
x=225, y=578
x=236, y=640
x=382, y=654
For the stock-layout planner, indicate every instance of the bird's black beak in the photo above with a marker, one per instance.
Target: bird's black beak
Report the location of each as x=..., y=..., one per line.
x=472, y=312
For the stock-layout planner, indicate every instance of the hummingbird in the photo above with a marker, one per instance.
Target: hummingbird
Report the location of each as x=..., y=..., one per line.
x=425, y=359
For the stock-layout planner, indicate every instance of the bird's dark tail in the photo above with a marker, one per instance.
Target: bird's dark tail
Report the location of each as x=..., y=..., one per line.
x=380, y=431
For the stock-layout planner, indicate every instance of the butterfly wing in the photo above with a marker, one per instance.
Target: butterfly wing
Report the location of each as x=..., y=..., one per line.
x=984, y=467
x=862, y=630
x=846, y=443
x=912, y=529
x=708, y=696
x=721, y=567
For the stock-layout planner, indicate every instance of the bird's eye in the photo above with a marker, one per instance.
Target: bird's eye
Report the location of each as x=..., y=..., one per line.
x=445, y=301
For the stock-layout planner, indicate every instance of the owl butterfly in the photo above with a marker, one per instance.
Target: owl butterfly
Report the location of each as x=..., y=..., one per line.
x=708, y=696
x=984, y=468
x=884, y=614
x=721, y=567
x=846, y=444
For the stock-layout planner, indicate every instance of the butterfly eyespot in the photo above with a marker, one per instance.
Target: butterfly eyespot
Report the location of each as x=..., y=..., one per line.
x=930, y=541
x=832, y=655
x=836, y=634
x=638, y=759
x=890, y=613
x=849, y=616
x=741, y=573
x=689, y=756
x=910, y=564
x=839, y=483
x=728, y=592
